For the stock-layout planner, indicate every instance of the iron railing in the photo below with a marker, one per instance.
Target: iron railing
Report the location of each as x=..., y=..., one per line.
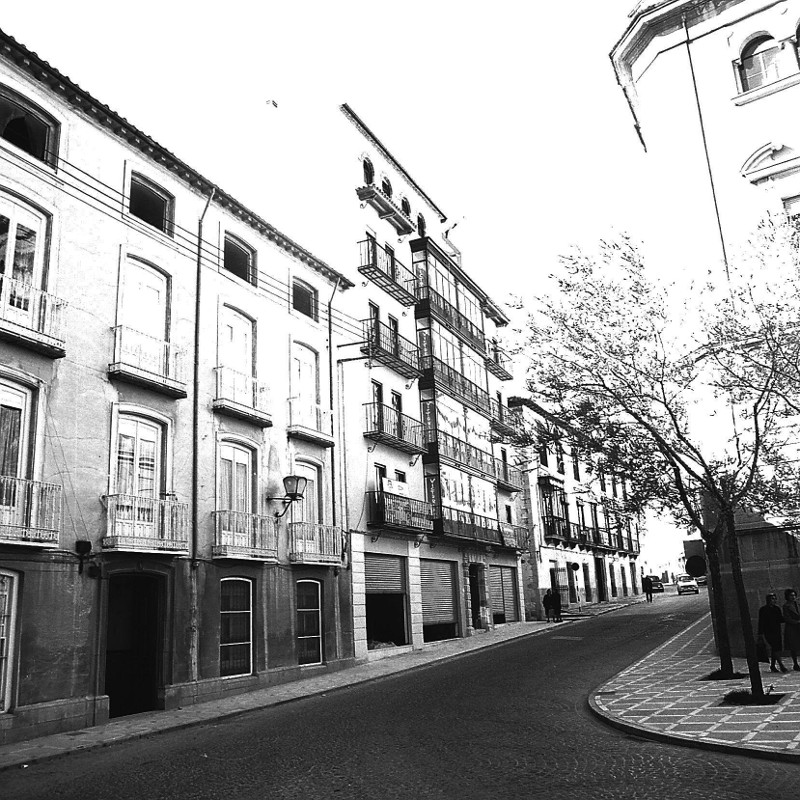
x=30, y=511
x=452, y=317
x=244, y=390
x=242, y=534
x=312, y=543
x=507, y=474
x=387, y=424
x=465, y=454
x=469, y=525
x=505, y=420
x=400, y=512
x=455, y=384
x=514, y=535
x=145, y=523
x=305, y=413
x=23, y=304
x=387, y=346
x=374, y=257
x=147, y=354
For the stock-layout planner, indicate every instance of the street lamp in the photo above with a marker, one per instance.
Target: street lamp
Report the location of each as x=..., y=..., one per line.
x=294, y=486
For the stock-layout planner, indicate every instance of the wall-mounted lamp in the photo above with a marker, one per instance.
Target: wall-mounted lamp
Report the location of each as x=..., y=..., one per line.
x=83, y=548
x=294, y=486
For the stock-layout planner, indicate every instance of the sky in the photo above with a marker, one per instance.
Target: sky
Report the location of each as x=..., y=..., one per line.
x=507, y=114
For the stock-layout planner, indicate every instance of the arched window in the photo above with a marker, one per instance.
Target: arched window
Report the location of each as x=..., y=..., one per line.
x=151, y=204
x=405, y=206
x=420, y=225
x=28, y=127
x=236, y=627
x=760, y=63
x=239, y=259
x=309, y=622
x=369, y=171
x=386, y=186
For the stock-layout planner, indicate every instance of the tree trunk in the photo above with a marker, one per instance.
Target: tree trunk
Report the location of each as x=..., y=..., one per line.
x=720, y=613
x=756, y=686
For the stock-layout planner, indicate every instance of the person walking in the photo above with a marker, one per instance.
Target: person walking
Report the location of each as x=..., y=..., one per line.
x=647, y=587
x=556, y=606
x=791, y=634
x=547, y=602
x=770, y=620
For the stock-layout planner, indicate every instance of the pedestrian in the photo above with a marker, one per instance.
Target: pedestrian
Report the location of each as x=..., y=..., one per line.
x=547, y=602
x=556, y=606
x=770, y=620
x=647, y=586
x=791, y=633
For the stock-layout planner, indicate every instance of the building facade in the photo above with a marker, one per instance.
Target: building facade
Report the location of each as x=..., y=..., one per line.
x=583, y=544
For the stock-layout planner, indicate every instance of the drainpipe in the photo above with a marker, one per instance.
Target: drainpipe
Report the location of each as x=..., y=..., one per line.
x=193, y=613
x=330, y=398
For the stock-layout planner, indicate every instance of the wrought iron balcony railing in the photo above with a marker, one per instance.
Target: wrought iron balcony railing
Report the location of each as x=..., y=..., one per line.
x=497, y=362
x=463, y=454
x=514, y=535
x=391, y=427
x=385, y=345
x=382, y=267
x=312, y=543
x=30, y=511
x=452, y=382
x=239, y=534
x=429, y=300
x=506, y=422
x=469, y=525
x=31, y=317
x=242, y=396
x=146, y=361
x=146, y=524
x=556, y=528
x=310, y=421
x=403, y=513
x=508, y=476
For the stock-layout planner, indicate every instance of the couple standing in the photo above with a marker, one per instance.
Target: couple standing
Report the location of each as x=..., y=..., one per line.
x=770, y=619
x=552, y=605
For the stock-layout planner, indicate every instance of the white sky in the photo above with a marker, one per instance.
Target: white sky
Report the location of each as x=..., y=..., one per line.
x=507, y=114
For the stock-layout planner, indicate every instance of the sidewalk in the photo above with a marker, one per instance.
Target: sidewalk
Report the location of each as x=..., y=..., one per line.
x=662, y=697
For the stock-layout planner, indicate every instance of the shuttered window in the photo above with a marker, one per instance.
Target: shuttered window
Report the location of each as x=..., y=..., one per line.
x=384, y=574
x=438, y=592
x=504, y=593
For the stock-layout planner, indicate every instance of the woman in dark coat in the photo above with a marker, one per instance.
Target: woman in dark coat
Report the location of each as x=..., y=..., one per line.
x=770, y=620
x=791, y=616
x=547, y=602
x=556, y=606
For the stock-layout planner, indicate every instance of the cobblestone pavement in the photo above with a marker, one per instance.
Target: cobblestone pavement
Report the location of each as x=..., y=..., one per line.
x=662, y=696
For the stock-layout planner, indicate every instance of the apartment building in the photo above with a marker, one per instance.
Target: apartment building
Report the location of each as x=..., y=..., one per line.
x=583, y=544
x=169, y=530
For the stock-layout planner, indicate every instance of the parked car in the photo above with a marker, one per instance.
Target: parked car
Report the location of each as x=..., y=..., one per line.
x=702, y=580
x=687, y=585
x=658, y=586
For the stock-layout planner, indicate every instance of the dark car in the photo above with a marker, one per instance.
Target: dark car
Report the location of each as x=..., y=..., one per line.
x=658, y=586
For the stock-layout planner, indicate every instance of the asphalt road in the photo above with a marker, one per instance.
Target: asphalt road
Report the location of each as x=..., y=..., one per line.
x=505, y=722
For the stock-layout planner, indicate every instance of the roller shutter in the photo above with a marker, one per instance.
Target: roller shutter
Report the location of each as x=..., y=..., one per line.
x=384, y=574
x=438, y=592
x=503, y=587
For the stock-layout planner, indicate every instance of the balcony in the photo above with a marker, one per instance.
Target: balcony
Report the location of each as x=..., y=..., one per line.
x=506, y=423
x=497, y=362
x=468, y=525
x=31, y=318
x=515, y=536
x=242, y=396
x=431, y=303
x=310, y=422
x=144, y=361
x=30, y=512
x=391, y=427
x=382, y=268
x=312, y=543
x=393, y=511
x=145, y=524
x=508, y=477
x=386, y=208
x=238, y=534
x=461, y=454
x=452, y=382
x=386, y=346
x=556, y=528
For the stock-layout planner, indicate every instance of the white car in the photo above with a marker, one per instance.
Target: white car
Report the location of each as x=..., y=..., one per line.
x=686, y=584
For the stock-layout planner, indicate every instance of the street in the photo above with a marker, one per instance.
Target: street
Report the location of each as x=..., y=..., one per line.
x=506, y=722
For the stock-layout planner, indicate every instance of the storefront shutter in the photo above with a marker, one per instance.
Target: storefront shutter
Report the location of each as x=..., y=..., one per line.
x=502, y=584
x=384, y=573
x=438, y=592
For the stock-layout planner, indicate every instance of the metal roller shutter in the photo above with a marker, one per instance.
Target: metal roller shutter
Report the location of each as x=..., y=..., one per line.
x=502, y=584
x=384, y=573
x=438, y=592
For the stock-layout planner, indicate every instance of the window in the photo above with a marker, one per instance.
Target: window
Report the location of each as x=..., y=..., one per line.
x=405, y=206
x=28, y=127
x=576, y=464
x=380, y=474
x=309, y=622
x=613, y=484
x=151, y=204
x=760, y=63
x=386, y=186
x=509, y=518
x=791, y=205
x=399, y=476
x=560, y=458
x=602, y=476
x=236, y=342
x=235, y=478
x=240, y=260
x=22, y=249
x=138, y=458
x=8, y=618
x=304, y=299
x=305, y=386
x=421, y=225
x=15, y=421
x=369, y=171
x=235, y=627
x=310, y=508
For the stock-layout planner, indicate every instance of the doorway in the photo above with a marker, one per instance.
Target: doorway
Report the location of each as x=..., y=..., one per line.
x=600, y=575
x=133, y=643
x=475, y=571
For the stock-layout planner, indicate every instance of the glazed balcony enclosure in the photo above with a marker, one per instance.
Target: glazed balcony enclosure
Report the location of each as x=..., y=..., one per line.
x=31, y=317
x=242, y=396
x=431, y=303
x=382, y=268
x=451, y=381
x=239, y=534
x=400, y=513
x=146, y=524
x=145, y=361
x=444, y=446
x=391, y=427
x=30, y=512
x=386, y=346
x=313, y=543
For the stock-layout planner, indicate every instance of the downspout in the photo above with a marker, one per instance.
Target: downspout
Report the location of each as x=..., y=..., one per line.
x=193, y=611
x=705, y=146
x=330, y=397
